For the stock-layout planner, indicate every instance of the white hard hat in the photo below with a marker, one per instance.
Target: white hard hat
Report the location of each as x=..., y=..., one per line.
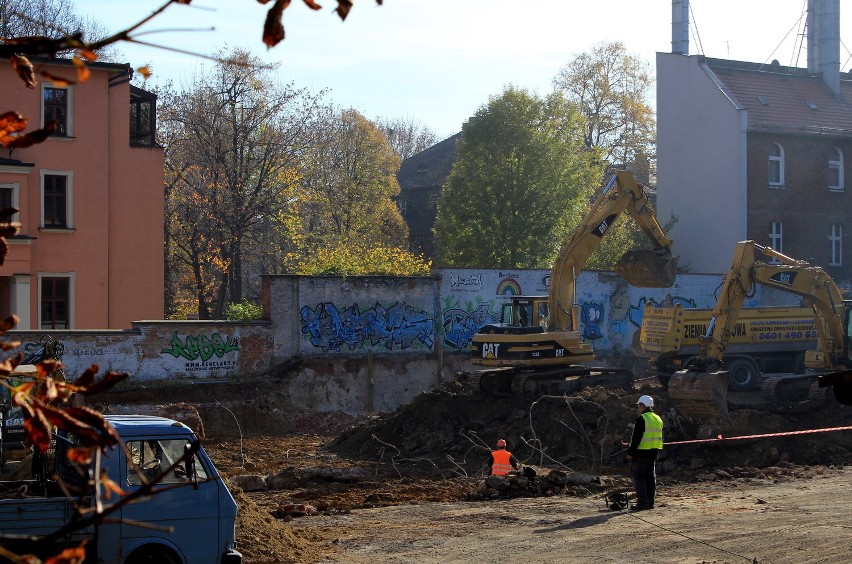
x=647, y=401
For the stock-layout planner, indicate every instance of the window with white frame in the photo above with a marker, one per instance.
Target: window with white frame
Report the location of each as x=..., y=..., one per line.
x=835, y=170
x=776, y=238
x=776, y=166
x=9, y=199
x=56, y=107
x=835, y=240
x=56, y=301
x=56, y=199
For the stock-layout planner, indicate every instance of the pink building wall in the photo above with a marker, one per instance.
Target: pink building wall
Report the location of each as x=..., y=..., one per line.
x=112, y=250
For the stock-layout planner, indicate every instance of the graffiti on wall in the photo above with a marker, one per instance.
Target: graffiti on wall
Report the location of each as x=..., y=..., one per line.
x=399, y=326
x=461, y=322
x=199, y=351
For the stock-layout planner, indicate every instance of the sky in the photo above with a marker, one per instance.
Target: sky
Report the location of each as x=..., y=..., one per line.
x=436, y=62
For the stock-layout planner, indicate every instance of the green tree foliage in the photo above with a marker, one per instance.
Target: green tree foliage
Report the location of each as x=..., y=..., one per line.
x=361, y=260
x=612, y=89
x=349, y=185
x=522, y=181
x=244, y=310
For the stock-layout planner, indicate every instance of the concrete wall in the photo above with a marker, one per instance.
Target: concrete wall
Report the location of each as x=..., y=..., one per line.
x=360, y=344
x=164, y=351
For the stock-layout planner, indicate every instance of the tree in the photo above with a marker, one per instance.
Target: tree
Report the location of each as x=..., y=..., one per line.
x=521, y=182
x=233, y=157
x=51, y=18
x=611, y=88
x=350, y=184
x=407, y=137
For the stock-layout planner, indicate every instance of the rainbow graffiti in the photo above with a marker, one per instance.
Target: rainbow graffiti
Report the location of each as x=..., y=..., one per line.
x=508, y=287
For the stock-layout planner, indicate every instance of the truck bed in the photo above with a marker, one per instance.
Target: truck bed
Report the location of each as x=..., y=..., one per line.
x=23, y=514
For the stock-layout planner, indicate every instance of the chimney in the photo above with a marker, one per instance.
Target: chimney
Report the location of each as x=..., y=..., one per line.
x=680, y=27
x=824, y=42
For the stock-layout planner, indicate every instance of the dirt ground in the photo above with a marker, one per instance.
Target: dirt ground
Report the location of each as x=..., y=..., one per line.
x=408, y=486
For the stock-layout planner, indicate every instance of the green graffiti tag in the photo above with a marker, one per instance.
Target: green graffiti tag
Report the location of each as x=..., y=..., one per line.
x=201, y=347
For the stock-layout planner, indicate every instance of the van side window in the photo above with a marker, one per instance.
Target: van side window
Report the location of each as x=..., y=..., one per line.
x=148, y=459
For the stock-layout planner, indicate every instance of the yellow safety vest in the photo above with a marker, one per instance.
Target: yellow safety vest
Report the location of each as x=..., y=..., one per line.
x=502, y=462
x=653, y=435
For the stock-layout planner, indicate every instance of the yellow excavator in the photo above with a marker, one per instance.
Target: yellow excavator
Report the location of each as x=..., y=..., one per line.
x=700, y=390
x=538, y=347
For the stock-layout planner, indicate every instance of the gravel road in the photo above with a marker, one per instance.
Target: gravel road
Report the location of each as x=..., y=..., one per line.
x=802, y=519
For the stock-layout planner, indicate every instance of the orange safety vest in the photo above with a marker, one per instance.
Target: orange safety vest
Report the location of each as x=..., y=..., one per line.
x=502, y=462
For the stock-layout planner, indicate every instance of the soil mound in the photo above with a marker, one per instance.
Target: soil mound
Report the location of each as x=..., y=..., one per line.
x=451, y=430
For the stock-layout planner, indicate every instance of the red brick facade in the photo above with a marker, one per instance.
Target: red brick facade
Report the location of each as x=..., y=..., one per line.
x=804, y=206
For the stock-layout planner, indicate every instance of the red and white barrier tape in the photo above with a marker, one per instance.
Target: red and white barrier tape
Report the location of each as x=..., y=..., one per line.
x=720, y=438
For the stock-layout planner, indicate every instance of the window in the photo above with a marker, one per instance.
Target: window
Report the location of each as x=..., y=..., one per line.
x=56, y=191
x=835, y=170
x=55, y=302
x=149, y=459
x=835, y=239
x=143, y=117
x=776, y=238
x=776, y=166
x=56, y=106
x=9, y=199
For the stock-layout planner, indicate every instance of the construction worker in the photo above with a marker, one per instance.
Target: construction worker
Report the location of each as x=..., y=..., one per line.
x=502, y=461
x=645, y=444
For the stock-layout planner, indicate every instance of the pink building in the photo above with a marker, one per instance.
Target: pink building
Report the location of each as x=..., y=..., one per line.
x=90, y=251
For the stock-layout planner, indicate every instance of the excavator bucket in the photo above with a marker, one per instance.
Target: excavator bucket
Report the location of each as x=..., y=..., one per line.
x=701, y=396
x=647, y=269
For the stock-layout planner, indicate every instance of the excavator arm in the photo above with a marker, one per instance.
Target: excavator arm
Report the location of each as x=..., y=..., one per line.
x=642, y=269
x=701, y=382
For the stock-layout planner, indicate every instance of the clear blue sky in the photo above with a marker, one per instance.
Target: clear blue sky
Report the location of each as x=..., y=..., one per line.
x=437, y=61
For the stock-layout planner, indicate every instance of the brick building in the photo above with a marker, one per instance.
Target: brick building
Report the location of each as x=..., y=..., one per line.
x=90, y=251
x=762, y=152
x=421, y=178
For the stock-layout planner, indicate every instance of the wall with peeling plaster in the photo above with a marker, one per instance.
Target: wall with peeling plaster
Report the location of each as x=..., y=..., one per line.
x=361, y=344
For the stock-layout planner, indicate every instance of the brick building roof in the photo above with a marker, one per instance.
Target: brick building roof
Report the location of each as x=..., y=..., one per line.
x=786, y=99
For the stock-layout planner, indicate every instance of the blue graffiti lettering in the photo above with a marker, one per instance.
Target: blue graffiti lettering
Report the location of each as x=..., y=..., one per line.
x=400, y=325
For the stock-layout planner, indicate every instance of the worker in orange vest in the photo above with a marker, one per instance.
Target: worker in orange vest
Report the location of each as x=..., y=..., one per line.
x=502, y=461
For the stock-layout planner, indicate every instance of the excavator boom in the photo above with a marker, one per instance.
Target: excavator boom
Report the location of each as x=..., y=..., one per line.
x=700, y=390
x=538, y=343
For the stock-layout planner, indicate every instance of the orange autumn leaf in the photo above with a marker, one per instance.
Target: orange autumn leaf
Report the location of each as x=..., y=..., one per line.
x=87, y=377
x=81, y=455
x=47, y=367
x=145, y=72
x=38, y=430
x=273, y=29
x=9, y=345
x=87, y=54
x=343, y=7
x=83, y=72
x=71, y=555
x=56, y=79
x=109, y=380
x=31, y=138
x=8, y=324
x=110, y=487
x=12, y=122
x=24, y=68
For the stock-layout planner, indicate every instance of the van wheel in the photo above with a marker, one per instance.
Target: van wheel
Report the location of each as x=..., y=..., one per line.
x=152, y=554
x=744, y=375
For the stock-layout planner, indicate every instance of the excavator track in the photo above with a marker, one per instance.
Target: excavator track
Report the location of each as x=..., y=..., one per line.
x=556, y=381
x=793, y=389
